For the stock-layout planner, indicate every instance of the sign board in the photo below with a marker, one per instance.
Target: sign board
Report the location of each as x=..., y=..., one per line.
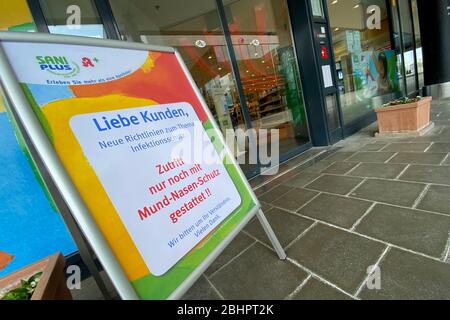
x=117, y=125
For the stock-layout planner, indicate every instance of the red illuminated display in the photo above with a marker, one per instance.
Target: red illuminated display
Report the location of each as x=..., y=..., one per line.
x=324, y=53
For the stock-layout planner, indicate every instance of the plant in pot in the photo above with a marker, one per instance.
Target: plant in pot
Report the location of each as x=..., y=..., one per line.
x=404, y=115
x=42, y=280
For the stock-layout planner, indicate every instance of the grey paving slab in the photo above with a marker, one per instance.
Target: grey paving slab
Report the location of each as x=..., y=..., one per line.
x=302, y=179
x=340, y=167
x=258, y=274
x=446, y=162
x=371, y=157
x=439, y=147
x=336, y=255
x=444, y=115
x=265, y=206
x=389, y=191
x=378, y=170
x=437, y=199
x=339, y=156
x=240, y=243
x=315, y=289
x=201, y=290
x=373, y=146
x=429, y=174
x=267, y=187
x=418, y=158
x=432, y=138
x=411, y=229
x=406, y=147
x=274, y=193
x=335, y=184
x=295, y=199
x=286, y=226
x=319, y=166
x=393, y=139
x=340, y=211
x=406, y=276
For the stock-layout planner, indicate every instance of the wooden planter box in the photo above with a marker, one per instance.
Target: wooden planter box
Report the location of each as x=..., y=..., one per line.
x=404, y=118
x=52, y=284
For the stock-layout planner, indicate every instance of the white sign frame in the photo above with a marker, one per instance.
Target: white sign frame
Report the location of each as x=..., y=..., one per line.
x=64, y=184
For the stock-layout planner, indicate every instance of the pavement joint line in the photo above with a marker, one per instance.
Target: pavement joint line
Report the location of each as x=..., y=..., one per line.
x=327, y=167
x=445, y=159
x=308, y=202
x=291, y=169
x=299, y=288
x=353, y=153
x=387, y=145
x=393, y=180
x=214, y=288
x=363, y=216
x=300, y=236
x=232, y=259
x=413, y=164
x=379, y=202
x=393, y=156
x=259, y=241
x=361, y=235
x=384, y=242
x=357, y=186
x=421, y=196
x=426, y=182
x=403, y=172
x=446, y=254
x=353, y=169
x=309, y=183
x=428, y=148
x=376, y=265
x=282, y=195
x=318, y=277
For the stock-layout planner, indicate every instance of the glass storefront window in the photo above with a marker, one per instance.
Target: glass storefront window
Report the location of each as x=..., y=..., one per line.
x=60, y=16
x=417, y=36
x=366, y=60
x=194, y=29
x=408, y=45
x=262, y=41
x=397, y=44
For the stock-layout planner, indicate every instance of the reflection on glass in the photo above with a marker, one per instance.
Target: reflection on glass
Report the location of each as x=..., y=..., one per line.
x=263, y=45
x=194, y=29
x=417, y=36
x=366, y=62
x=61, y=15
x=408, y=45
x=332, y=112
x=397, y=45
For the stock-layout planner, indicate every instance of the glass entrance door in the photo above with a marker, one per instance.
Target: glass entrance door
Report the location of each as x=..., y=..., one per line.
x=259, y=89
x=264, y=49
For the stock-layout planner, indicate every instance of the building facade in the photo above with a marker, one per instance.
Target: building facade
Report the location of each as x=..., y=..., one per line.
x=312, y=69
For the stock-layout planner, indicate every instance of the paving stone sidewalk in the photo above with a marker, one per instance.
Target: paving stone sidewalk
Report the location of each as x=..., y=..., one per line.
x=369, y=202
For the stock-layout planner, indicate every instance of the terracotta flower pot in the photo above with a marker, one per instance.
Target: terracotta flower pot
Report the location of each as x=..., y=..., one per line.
x=404, y=118
x=52, y=284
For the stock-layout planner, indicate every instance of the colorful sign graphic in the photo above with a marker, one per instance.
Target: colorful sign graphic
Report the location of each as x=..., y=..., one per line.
x=376, y=73
x=31, y=227
x=115, y=123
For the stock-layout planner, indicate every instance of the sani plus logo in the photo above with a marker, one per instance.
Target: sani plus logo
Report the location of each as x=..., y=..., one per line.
x=61, y=66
